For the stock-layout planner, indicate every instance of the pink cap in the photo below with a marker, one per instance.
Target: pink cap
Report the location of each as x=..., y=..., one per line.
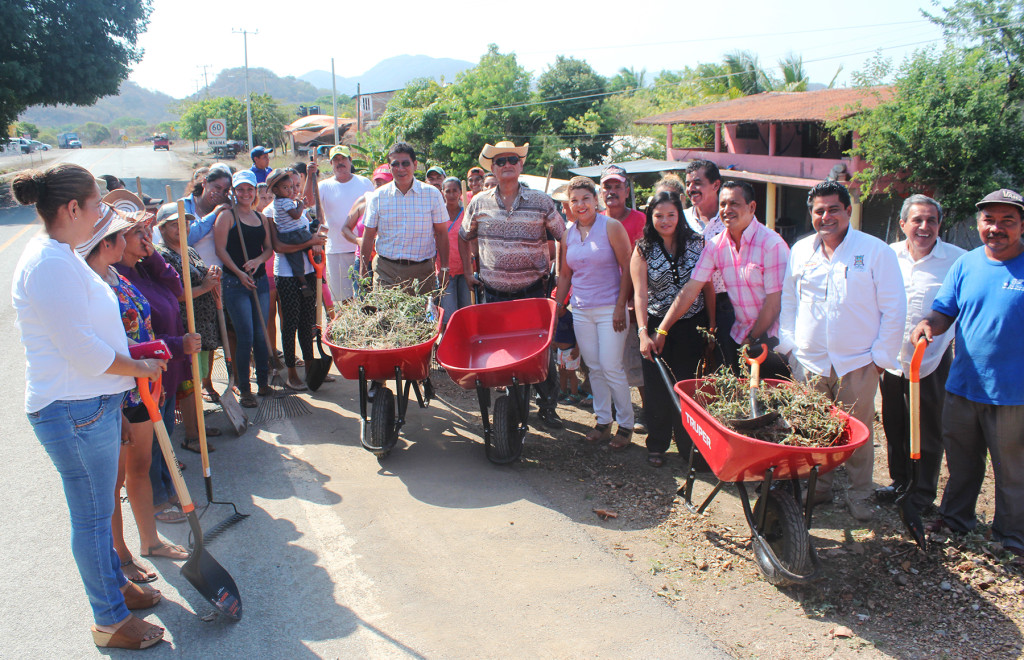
x=383, y=172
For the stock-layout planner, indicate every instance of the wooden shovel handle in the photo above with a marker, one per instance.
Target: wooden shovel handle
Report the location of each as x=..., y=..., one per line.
x=915, y=398
x=755, y=365
x=149, y=399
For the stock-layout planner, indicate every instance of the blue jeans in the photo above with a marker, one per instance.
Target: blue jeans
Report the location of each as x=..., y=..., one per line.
x=159, y=474
x=247, y=322
x=83, y=439
x=455, y=296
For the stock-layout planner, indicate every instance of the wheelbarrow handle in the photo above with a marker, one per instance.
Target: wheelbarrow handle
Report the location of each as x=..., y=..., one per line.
x=666, y=376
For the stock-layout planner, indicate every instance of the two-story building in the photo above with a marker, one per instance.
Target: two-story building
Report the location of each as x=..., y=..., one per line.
x=778, y=142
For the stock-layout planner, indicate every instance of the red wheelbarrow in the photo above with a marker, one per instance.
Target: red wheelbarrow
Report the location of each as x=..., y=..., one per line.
x=780, y=519
x=503, y=345
x=409, y=367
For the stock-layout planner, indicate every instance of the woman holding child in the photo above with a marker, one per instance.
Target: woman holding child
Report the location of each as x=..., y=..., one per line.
x=291, y=238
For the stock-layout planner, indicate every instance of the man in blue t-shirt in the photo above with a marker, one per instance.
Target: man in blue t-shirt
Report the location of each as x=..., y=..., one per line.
x=984, y=410
x=261, y=163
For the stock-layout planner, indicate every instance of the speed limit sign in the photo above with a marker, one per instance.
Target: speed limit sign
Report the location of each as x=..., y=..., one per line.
x=216, y=132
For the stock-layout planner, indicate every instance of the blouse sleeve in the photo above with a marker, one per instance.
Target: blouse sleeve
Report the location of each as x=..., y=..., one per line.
x=162, y=272
x=64, y=310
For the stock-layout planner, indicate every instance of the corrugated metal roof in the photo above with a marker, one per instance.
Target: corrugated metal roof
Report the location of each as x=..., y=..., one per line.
x=818, y=106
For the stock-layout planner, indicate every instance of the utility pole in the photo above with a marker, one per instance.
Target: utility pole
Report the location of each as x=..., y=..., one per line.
x=359, y=109
x=206, y=79
x=334, y=97
x=248, y=105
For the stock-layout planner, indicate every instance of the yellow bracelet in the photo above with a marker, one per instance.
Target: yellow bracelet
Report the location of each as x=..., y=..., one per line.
x=661, y=332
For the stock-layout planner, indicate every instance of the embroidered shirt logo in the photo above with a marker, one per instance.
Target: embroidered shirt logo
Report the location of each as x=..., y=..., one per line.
x=858, y=262
x=1014, y=284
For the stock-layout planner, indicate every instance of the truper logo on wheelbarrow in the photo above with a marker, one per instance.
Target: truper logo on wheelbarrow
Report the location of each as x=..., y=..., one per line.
x=696, y=428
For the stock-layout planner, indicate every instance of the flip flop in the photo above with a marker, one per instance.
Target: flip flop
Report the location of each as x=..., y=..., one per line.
x=149, y=576
x=210, y=396
x=213, y=432
x=170, y=515
x=167, y=551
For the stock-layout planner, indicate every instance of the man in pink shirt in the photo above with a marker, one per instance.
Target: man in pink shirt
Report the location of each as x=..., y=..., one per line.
x=614, y=192
x=752, y=261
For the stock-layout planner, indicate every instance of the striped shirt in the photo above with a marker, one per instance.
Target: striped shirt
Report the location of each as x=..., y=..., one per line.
x=713, y=228
x=405, y=221
x=750, y=273
x=513, y=243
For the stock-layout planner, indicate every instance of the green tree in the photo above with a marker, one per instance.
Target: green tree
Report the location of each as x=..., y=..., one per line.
x=953, y=127
x=70, y=52
x=581, y=120
x=268, y=120
x=93, y=133
x=24, y=127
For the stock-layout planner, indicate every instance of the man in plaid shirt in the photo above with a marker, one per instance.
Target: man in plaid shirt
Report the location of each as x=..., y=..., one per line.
x=409, y=222
x=752, y=262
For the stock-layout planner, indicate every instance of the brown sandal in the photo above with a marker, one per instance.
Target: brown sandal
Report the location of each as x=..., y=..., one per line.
x=140, y=598
x=622, y=440
x=599, y=433
x=141, y=575
x=133, y=634
x=168, y=551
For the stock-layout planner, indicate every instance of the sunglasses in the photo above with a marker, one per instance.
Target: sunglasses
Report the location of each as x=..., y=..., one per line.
x=510, y=160
x=401, y=164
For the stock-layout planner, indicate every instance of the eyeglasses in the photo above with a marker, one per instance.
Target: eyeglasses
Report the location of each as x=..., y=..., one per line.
x=511, y=160
x=401, y=164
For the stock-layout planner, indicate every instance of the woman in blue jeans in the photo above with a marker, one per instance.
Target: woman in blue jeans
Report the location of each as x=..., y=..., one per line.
x=77, y=372
x=244, y=276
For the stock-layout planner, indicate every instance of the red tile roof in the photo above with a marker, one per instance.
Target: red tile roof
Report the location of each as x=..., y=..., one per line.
x=818, y=106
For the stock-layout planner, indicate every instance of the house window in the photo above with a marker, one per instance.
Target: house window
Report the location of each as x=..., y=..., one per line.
x=747, y=132
x=367, y=104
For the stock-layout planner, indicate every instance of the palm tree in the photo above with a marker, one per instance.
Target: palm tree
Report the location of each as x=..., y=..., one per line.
x=745, y=73
x=794, y=77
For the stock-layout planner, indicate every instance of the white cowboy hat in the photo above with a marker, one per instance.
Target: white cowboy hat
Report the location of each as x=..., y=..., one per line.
x=504, y=147
x=126, y=202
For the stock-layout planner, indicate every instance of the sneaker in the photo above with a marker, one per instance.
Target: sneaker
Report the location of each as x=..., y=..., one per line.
x=639, y=428
x=859, y=507
x=550, y=418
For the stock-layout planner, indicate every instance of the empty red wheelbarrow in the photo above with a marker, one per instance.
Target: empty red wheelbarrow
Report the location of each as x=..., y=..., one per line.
x=780, y=519
x=504, y=345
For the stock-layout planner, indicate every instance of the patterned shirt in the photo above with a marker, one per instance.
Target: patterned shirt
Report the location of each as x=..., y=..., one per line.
x=667, y=275
x=405, y=221
x=136, y=319
x=513, y=243
x=750, y=273
x=713, y=228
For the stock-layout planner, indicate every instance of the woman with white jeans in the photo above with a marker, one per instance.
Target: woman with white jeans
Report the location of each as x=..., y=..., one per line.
x=595, y=263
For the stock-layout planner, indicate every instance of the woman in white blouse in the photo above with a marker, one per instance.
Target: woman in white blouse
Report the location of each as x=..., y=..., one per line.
x=78, y=370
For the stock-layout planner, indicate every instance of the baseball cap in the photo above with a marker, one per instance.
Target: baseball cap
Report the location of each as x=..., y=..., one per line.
x=244, y=176
x=339, y=150
x=437, y=169
x=475, y=170
x=1002, y=196
x=169, y=212
x=383, y=172
x=260, y=151
x=613, y=172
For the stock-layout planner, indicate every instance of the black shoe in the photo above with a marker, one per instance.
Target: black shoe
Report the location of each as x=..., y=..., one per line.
x=887, y=494
x=550, y=418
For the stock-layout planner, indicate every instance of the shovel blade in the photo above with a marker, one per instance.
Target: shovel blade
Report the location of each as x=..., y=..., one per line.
x=213, y=583
x=235, y=415
x=911, y=518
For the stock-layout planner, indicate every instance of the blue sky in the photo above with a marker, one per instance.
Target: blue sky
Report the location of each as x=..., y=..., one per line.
x=183, y=35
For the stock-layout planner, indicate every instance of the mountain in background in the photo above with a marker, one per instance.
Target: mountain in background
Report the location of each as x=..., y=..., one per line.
x=392, y=73
x=286, y=89
x=130, y=101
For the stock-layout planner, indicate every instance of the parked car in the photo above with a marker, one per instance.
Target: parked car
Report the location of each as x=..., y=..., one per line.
x=230, y=149
x=40, y=146
x=160, y=141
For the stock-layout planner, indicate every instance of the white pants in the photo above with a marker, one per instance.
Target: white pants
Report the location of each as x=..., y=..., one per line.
x=602, y=349
x=339, y=280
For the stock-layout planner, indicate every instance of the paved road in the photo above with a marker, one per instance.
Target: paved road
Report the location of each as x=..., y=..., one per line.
x=432, y=553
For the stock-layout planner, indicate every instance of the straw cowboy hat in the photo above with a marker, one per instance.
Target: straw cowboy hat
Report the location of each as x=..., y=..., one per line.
x=504, y=147
x=126, y=202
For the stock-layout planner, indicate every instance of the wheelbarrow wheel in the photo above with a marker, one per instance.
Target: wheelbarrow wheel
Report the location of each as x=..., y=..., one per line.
x=784, y=541
x=508, y=432
x=383, y=435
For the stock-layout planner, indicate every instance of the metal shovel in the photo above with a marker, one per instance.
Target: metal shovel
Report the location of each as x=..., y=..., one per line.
x=758, y=417
x=204, y=572
x=909, y=514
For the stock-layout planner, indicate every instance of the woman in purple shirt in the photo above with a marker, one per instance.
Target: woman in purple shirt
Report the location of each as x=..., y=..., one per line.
x=595, y=263
x=160, y=285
